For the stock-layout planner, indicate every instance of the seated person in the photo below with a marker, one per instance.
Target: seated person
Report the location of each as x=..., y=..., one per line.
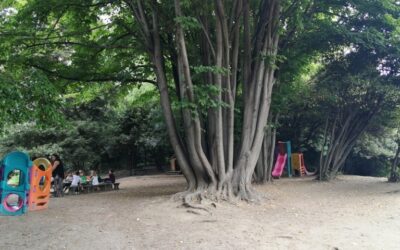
x=83, y=177
x=67, y=182
x=111, y=177
x=76, y=179
x=94, y=178
x=68, y=178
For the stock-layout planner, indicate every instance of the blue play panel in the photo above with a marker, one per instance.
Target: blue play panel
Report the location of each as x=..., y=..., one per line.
x=15, y=172
x=14, y=183
x=13, y=203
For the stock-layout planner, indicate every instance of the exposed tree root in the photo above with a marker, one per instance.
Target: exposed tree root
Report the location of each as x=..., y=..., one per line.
x=181, y=195
x=206, y=199
x=249, y=195
x=198, y=207
x=193, y=212
x=193, y=200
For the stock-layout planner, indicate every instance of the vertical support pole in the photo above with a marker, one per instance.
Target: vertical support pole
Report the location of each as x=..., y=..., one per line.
x=289, y=158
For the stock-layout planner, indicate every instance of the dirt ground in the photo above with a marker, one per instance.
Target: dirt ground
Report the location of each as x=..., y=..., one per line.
x=350, y=213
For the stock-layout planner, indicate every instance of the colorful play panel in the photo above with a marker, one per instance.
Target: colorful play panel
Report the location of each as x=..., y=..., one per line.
x=24, y=185
x=283, y=160
x=292, y=162
x=39, y=194
x=14, y=183
x=298, y=164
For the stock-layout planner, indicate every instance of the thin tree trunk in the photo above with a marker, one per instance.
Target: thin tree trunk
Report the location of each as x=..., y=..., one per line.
x=265, y=163
x=394, y=174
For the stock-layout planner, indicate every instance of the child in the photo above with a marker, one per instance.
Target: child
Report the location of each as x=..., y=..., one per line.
x=69, y=178
x=67, y=182
x=94, y=178
x=76, y=179
x=83, y=177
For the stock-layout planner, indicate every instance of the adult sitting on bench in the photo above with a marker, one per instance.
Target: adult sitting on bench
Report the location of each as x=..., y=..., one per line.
x=111, y=179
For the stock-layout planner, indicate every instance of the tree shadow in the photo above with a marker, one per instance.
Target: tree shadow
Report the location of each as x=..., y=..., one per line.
x=153, y=191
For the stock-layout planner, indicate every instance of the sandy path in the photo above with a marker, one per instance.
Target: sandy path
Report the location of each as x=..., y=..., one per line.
x=351, y=213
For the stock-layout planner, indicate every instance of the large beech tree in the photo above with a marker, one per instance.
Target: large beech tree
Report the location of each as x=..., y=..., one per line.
x=239, y=43
x=214, y=63
x=205, y=57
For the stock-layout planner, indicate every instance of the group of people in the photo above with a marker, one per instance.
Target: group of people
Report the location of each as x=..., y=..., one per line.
x=74, y=180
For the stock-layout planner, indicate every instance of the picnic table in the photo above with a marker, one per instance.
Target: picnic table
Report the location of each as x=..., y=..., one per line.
x=88, y=187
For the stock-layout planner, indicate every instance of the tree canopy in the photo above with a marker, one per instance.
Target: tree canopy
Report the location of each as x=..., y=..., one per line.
x=230, y=76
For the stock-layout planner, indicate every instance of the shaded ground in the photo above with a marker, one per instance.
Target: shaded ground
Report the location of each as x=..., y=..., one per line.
x=350, y=213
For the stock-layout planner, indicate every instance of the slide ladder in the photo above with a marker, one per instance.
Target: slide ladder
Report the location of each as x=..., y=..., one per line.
x=298, y=164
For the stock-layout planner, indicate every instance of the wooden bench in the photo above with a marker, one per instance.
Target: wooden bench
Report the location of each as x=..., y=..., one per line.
x=86, y=188
x=104, y=186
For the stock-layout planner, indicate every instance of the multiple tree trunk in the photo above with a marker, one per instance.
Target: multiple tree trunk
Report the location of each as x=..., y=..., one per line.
x=341, y=134
x=240, y=45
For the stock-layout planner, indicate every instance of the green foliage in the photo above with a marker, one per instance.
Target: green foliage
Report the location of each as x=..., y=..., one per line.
x=210, y=69
x=188, y=23
x=82, y=146
x=374, y=166
x=28, y=95
x=76, y=67
x=205, y=100
x=95, y=134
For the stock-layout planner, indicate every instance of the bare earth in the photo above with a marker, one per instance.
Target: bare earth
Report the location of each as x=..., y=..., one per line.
x=350, y=213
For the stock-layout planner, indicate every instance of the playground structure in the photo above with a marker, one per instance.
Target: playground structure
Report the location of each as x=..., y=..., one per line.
x=14, y=183
x=283, y=160
x=292, y=162
x=39, y=194
x=298, y=164
x=24, y=185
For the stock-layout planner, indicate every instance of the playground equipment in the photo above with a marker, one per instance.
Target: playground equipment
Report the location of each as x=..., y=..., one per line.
x=279, y=165
x=298, y=164
x=283, y=159
x=40, y=184
x=14, y=183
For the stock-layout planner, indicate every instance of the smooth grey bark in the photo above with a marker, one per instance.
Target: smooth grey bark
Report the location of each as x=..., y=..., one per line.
x=206, y=152
x=265, y=163
x=394, y=172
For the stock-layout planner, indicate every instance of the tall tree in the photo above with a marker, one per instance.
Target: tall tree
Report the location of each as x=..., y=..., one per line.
x=352, y=97
x=237, y=45
x=214, y=64
x=211, y=168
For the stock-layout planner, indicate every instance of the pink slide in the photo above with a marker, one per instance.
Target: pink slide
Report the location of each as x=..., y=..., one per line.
x=279, y=165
